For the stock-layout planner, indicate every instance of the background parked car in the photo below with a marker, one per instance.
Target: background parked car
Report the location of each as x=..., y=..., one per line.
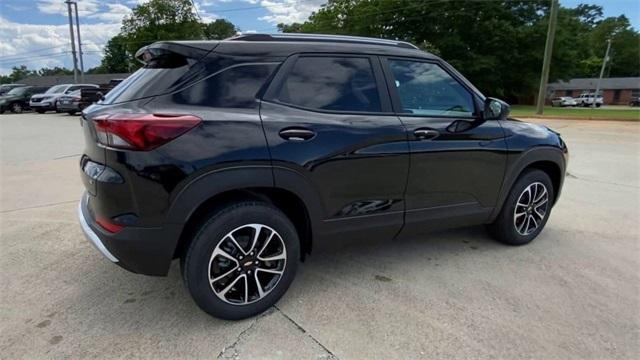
x=564, y=101
x=72, y=103
x=17, y=99
x=49, y=100
x=586, y=99
x=5, y=88
x=635, y=101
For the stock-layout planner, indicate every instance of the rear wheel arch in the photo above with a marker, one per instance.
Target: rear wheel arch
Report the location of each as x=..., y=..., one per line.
x=210, y=193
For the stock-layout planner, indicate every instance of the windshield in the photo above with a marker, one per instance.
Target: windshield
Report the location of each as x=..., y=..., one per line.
x=56, y=89
x=17, y=91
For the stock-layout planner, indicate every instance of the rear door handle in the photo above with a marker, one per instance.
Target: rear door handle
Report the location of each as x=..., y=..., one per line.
x=426, y=134
x=297, y=134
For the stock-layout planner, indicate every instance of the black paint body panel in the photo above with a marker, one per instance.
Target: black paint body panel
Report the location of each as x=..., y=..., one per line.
x=359, y=175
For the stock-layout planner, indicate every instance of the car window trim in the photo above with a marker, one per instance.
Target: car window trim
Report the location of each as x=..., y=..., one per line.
x=271, y=94
x=395, y=98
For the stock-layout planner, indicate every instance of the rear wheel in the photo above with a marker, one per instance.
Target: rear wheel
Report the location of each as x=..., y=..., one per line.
x=242, y=260
x=71, y=112
x=526, y=209
x=40, y=111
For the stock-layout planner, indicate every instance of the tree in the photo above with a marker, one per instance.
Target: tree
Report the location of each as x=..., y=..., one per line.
x=116, y=57
x=158, y=20
x=54, y=71
x=17, y=73
x=219, y=29
x=498, y=45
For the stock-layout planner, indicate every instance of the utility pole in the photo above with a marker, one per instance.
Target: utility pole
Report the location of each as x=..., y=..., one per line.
x=73, y=43
x=604, y=64
x=546, y=64
x=79, y=44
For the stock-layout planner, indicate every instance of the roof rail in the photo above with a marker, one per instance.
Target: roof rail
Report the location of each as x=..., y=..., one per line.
x=323, y=38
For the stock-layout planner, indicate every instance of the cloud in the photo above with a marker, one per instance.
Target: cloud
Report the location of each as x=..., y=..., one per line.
x=289, y=11
x=114, y=14
x=37, y=46
x=85, y=7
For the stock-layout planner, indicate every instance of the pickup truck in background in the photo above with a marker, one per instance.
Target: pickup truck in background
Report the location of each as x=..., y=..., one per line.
x=587, y=99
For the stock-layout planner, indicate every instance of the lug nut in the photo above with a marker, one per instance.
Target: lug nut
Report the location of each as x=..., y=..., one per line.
x=249, y=272
x=240, y=257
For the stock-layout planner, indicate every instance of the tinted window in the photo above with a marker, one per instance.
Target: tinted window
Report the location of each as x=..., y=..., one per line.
x=426, y=89
x=331, y=83
x=234, y=87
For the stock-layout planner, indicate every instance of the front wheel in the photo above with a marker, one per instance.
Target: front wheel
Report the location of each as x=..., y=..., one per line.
x=526, y=209
x=17, y=108
x=242, y=260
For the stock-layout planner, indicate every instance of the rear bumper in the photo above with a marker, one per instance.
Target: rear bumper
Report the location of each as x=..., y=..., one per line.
x=90, y=234
x=147, y=251
x=68, y=107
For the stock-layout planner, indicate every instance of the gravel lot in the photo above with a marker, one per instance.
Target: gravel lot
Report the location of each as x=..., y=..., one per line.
x=572, y=293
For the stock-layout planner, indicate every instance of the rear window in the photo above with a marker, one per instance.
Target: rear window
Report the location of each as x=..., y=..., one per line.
x=160, y=78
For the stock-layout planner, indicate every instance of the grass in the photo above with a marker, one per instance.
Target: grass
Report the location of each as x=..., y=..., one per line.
x=605, y=113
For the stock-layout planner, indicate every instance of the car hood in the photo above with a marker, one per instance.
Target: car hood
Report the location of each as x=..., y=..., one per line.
x=43, y=96
x=9, y=97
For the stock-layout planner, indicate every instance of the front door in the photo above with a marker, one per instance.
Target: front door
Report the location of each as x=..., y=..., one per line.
x=329, y=125
x=457, y=160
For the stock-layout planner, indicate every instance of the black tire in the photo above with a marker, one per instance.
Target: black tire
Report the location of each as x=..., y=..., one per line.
x=504, y=228
x=40, y=111
x=17, y=108
x=598, y=105
x=71, y=112
x=196, y=269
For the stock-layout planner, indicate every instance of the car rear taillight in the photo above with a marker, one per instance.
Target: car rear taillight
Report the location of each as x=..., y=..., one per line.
x=142, y=131
x=108, y=225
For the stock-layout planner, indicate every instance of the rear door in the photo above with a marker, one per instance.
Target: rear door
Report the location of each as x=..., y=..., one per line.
x=331, y=131
x=457, y=160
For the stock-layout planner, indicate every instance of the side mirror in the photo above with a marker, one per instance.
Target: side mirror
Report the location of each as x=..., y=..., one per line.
x=495, y=109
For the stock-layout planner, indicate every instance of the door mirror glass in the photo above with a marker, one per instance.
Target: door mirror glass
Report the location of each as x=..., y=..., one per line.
x=495, y=109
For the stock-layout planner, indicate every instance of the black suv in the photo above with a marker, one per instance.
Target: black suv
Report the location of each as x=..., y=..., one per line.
x=240, y=157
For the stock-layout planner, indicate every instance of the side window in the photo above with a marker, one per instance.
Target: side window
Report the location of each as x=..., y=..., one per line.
x=331, y=83
x=235, y=87
x=426, y=89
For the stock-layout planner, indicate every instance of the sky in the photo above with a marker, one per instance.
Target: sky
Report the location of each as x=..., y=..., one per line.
x=35, y=33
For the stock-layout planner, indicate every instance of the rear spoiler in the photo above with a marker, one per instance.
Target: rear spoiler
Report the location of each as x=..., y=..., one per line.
x=189, y=49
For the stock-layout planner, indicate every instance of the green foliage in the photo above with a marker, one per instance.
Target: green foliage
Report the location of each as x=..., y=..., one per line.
x=160, y=20
x=154, y=21
x=117, y=59
x=219, y=29
x=498, y=45
x=17, y=73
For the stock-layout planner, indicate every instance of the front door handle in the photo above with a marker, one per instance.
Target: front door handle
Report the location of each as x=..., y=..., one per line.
x=297, y=134
x=426, y=134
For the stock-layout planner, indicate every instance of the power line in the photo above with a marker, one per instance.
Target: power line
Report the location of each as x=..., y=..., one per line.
x=31, y=52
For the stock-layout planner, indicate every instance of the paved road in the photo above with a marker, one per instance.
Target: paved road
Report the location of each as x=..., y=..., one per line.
x=573, y=293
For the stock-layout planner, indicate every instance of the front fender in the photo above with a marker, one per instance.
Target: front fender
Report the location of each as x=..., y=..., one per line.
x=519, y=162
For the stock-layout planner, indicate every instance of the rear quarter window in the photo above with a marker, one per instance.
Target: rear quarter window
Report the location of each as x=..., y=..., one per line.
x=234, y=87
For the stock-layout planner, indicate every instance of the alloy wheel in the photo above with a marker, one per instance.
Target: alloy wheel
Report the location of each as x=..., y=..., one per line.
x=16, y=108
x=247, y=264
x=531, y=208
